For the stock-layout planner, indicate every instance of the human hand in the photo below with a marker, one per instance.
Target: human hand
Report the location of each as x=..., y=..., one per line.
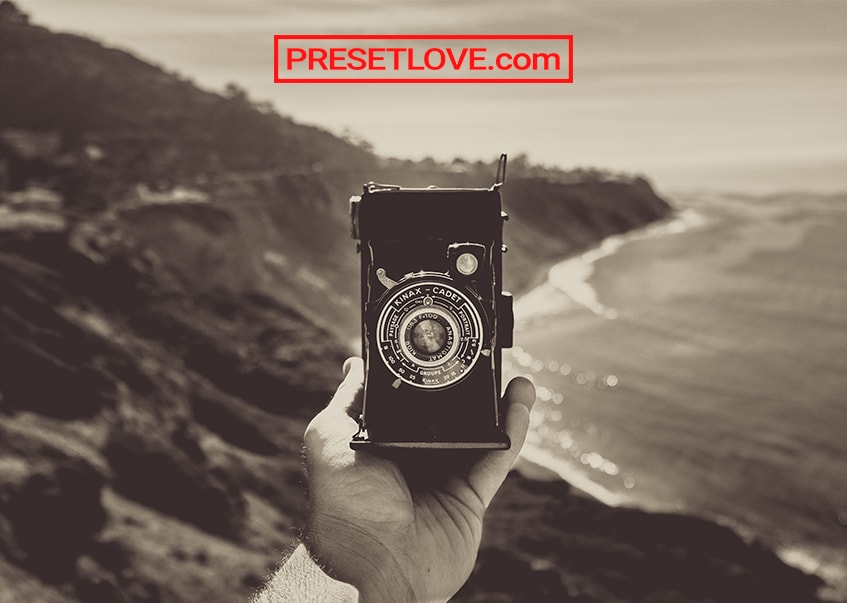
x=405, y=529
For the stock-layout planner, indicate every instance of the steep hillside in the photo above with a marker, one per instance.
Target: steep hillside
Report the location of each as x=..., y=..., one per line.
x=228, y=192
x=150, y=439
x=150, y=432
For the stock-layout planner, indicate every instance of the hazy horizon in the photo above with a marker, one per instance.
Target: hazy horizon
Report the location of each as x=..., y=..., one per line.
x=737, y=95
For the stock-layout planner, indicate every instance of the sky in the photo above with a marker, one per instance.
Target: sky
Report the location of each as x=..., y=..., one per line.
x=742, y=95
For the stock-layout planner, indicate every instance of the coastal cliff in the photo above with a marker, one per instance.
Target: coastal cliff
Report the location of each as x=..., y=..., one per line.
x=177, y=284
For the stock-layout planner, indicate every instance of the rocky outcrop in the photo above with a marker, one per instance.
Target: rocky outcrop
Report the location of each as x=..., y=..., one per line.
x=117, y=411
x=55, y=511
x=580, y=550
x=159, y=473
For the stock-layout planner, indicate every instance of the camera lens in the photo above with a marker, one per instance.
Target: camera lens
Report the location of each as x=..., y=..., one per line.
x=428, y=336
x=429, y=332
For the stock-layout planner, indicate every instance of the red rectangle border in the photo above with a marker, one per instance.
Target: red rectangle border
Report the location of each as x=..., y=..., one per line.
x=376, y=80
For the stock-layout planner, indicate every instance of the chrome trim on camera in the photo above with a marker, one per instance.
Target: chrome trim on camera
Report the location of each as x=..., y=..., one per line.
x=386, y=281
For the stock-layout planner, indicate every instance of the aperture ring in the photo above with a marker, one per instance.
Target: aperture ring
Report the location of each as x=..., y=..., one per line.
x=429, y=333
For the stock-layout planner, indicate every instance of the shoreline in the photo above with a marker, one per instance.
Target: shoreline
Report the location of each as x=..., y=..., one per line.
x=568, y=288
x=570, y=277
x=535, y=463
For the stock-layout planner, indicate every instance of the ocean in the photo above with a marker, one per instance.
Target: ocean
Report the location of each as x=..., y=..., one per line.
x=700, y=366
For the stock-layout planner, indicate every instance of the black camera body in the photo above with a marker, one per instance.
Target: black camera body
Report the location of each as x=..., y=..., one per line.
x=434, y=317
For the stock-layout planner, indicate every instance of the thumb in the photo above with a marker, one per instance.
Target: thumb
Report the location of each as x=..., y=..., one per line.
x=487, y=475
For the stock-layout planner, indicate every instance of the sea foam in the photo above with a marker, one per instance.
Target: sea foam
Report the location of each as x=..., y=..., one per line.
x=571, y=276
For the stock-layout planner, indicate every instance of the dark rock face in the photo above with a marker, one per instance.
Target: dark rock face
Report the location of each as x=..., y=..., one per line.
x=45, y=367
x=504, y=572
x=55, y=514
x=233, y=421
x=160, y=475
x=581, y=550
x=94, y=584
x=165, y=440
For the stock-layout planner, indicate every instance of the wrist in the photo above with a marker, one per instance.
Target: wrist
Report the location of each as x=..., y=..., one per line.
x=354, y=556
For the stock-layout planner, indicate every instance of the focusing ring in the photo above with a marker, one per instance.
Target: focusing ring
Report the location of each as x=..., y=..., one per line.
x=429, y=332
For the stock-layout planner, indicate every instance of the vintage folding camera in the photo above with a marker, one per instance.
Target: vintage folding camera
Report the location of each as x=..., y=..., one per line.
x=434, y=316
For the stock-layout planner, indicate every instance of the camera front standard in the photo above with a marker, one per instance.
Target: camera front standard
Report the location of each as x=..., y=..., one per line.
x=434, y=317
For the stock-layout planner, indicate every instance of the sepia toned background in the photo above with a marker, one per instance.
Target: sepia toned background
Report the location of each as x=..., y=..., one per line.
x=179, y=291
